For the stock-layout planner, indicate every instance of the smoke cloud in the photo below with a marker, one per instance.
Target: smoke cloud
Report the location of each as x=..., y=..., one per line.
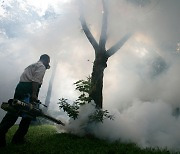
x=141, y=82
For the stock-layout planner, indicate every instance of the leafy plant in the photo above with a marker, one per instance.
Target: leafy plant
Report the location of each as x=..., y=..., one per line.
x=84, y=87
x=100, y=115
x=72, y=110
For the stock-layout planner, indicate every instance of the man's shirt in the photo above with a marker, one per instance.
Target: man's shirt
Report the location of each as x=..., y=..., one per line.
x=34, y=73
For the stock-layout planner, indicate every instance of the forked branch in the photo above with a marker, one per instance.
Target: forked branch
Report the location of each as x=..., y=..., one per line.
x=118, y=45
x=86, y=28
x=103, y=37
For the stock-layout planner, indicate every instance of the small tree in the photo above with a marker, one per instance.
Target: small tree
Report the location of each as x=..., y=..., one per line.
x=101, y=53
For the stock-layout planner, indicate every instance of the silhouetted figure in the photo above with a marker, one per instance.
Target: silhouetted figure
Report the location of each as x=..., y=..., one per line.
x=28, y=88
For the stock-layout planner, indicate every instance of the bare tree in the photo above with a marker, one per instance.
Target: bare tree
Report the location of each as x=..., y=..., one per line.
x=101, y=53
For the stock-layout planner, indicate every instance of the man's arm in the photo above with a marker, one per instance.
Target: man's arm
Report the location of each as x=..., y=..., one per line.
x=35, y=88
x=37, y=80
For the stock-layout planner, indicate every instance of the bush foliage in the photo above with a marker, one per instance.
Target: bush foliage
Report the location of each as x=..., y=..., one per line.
x=84, y=88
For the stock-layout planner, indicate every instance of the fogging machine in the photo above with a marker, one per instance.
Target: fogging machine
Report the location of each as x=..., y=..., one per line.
x=29, y=109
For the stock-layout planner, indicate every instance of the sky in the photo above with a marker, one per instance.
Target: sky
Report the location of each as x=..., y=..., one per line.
x=141, y=81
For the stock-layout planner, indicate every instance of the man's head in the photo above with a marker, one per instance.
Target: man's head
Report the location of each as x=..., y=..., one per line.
x=45, y=59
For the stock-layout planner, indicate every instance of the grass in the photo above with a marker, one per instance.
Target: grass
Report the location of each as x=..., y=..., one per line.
x=45, y=140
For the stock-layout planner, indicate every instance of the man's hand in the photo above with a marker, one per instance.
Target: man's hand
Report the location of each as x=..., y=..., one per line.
x=35, y=87
x=34, y=98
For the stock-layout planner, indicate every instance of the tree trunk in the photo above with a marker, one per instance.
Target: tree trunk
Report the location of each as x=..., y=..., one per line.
x=97, y=78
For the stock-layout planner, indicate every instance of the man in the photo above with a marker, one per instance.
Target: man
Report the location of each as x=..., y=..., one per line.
x=29, y=85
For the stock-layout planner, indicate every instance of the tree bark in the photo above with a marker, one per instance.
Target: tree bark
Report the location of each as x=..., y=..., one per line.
x=99, y=65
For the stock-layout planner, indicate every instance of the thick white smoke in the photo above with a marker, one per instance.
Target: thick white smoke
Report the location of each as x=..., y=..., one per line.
x=148, y=124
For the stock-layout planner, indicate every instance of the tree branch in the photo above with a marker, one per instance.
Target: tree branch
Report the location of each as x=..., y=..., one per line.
x=118, y=45
x=86, y=29
x=103, y=37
